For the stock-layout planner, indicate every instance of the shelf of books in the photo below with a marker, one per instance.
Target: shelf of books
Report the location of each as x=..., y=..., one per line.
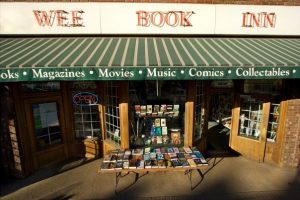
x=153, y=158
x=158, y=125
x=273, y=122
x=250, y=118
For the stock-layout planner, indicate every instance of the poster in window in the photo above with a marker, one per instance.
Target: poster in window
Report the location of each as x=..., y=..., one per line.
x=48, y=115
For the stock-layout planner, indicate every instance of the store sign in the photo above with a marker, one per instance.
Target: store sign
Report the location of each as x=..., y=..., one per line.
x=147, y=18
x=146, y=73
x=260, y=20
x=85, y=98
x=59, y=18
x=160, y=19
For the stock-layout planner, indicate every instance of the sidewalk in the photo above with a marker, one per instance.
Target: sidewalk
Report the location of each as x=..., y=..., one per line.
x=229, y=178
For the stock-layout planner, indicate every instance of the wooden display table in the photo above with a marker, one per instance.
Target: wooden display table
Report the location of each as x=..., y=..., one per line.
x=144, y=171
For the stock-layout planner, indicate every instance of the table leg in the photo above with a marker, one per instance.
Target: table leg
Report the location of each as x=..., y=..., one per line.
x=189, y=174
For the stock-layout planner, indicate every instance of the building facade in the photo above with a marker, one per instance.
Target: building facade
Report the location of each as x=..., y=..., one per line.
x=79, y=80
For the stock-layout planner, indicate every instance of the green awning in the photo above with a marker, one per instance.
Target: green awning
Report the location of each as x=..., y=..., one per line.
x=147, y=58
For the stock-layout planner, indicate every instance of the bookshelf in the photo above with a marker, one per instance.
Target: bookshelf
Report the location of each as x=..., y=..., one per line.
x=273, y=122
x=158, y=125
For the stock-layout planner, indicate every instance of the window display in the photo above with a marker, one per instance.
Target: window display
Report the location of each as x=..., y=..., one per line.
x=156, y=113
x=250, y=117
x=112, y=112
x=273, y=122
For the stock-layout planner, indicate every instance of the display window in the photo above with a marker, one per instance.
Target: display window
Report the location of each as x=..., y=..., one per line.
x=273, y=122
x=112, y=111
x=252, y=108
x=85, y=110
x=156, y=113
x=199, y=111
x=250, y=117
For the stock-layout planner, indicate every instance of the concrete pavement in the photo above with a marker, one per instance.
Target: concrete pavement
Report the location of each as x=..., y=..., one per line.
x=226, y=178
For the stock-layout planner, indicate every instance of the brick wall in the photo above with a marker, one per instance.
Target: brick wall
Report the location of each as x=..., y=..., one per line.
x=10, y=155
x=291, y=141
x=242, y=2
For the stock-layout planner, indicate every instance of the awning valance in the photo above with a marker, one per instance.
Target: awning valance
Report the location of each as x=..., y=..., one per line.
x=147, y=58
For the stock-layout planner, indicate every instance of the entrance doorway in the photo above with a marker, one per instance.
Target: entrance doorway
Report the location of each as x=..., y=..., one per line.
x=46, y=128
x=219, y=122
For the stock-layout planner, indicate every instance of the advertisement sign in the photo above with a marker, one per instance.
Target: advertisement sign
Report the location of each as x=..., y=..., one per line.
x=145, y=73
x=147, y=18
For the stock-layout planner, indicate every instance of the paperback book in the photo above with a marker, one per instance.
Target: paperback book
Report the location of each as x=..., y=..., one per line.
x=191, y=162
x=148, y=164
x=184, y=162
x=164, y=130
x=176, y=163
x=126, y=165
x=119, y=165
x=161, y=164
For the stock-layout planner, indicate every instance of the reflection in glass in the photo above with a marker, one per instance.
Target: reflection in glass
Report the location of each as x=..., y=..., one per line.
x=46, y=124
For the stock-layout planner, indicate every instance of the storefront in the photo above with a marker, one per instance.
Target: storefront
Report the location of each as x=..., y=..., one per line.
x=74, y=85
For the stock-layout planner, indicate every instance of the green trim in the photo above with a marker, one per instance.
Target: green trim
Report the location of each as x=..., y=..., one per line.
x=148, y=58
x=147, y=73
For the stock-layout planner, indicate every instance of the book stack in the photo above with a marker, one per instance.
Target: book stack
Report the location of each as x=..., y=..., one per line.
x=163, y=157
x=199, y=156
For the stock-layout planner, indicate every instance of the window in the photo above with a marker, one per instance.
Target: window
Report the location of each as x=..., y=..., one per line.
x=46, y=124
x=41, y=87
x=199, y=110
x=271, y=89
x=86, y=115
x=85, y=110
x=250, y=117
x=273, y=122
x=156, y=113
x=112, y=111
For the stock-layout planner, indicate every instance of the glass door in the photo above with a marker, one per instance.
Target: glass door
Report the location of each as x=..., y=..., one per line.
x=46, y=128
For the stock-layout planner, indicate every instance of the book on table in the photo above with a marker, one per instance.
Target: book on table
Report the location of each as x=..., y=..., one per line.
x=161, y=164
x=148, y=164
x=126, y=164
x=119, y=165
x=173, y=155
x=191, y=162
x=140, y=164
x=183, y=162
x=176, y=163
x=200, y=156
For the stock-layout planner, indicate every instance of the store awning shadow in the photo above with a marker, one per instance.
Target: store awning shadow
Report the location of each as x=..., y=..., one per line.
x=15, y=184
